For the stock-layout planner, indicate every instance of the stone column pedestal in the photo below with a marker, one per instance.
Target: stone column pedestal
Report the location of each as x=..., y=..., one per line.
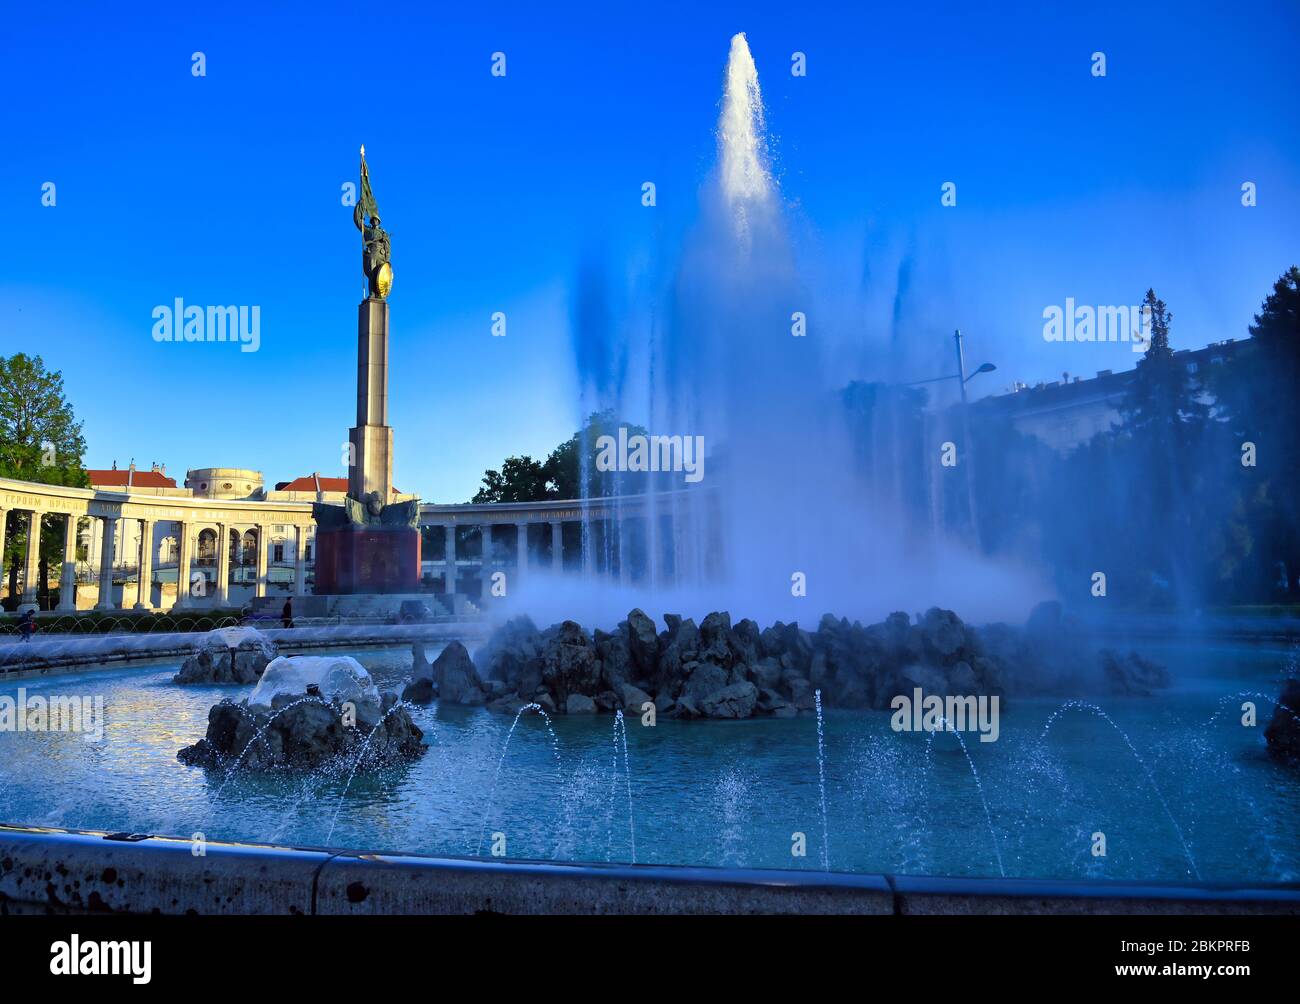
x=31, y=567
x=68, y=570
x=144, y=589
x=371, y=438
x=107, y=547
x=259, y=584
x=450, y=580
x=300, y=563
x=223, y=565
x=184, y=555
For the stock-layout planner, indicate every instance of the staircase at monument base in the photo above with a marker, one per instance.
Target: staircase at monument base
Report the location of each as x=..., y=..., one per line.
x=361, y=607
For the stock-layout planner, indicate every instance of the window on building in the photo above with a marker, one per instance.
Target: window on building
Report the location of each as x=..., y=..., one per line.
x=279, y=552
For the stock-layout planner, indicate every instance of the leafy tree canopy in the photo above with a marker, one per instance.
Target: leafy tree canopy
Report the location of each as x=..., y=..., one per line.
x=40, y=438
x=569, y=472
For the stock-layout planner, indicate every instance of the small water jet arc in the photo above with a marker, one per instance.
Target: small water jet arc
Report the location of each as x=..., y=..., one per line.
x=979, y=785
x=555, y=745
x=349, y=705
x=230, y=771
x=1082, y=705
x=1276, y=702
x=361, y=755
x=821, y=779
x=620, y=732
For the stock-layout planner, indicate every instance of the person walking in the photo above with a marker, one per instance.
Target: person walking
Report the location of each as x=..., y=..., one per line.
x=27, y=625
x=286, y=615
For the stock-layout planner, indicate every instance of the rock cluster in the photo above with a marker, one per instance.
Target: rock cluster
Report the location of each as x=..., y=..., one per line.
x=307, y=712
x=452, y=677
x=718, y=669
x=227, y=655
x=1283, y=732
x=1132, y=675
x=309, y=734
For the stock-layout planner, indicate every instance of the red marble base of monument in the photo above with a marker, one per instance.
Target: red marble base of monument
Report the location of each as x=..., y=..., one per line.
x=367, y=560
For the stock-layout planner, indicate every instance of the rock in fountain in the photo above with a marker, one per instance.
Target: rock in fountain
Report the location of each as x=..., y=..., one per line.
x=305, y=713
x=452, y=678
x=1283, y=732
x=1132, y=675
x=1055, y=655
x=718, y=670
x=228, y=655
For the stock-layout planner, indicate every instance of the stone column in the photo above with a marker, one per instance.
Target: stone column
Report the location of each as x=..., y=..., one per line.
x=223, y=565
x=107, y=541
x=4, y=520
x=184, y=550
x=144, y=591
x=372, y=438
x=521, y=551
x=259, y=585
x=68, y=570
x=557, y=546
x=587, y=544
x=32, y=566
x=451, y=559
x=300, y=563
x=92, y=542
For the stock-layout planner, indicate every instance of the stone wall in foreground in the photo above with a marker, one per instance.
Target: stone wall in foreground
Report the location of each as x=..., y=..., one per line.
x=74, y=872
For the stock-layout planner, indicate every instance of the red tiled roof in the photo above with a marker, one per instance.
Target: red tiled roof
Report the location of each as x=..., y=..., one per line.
x=137, y=479
x=308, y=484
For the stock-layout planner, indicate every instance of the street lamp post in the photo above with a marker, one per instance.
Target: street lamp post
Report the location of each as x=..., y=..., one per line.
x=962, y=379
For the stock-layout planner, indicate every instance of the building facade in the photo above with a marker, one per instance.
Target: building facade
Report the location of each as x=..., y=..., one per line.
x=117, y=536
x=1066, y=413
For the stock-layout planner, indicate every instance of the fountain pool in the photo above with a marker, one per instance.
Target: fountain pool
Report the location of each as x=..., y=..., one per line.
x=721, y=793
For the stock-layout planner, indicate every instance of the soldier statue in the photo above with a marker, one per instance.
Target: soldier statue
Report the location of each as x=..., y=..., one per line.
x=375, y=248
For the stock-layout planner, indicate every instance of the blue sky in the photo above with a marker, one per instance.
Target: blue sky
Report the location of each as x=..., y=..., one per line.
x=225, y=189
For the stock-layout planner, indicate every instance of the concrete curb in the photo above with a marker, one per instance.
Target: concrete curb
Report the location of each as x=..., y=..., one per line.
x=20, y=660
x=59, y=871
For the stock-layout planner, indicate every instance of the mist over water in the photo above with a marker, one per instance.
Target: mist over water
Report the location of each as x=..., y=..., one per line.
x=784, y=491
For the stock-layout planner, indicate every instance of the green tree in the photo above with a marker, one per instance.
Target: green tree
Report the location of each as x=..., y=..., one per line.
x=520, y=479
x=1165, y=424
x=571, y=466
x=40, y=441
x=1260, y=396
x=1162, y=403
x=568, y=472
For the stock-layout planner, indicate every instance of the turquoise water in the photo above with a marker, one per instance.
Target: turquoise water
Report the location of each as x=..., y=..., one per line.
x=721, y=793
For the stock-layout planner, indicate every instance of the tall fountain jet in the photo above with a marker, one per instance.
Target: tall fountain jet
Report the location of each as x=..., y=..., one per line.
x=744, y=349
x=742, y=132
